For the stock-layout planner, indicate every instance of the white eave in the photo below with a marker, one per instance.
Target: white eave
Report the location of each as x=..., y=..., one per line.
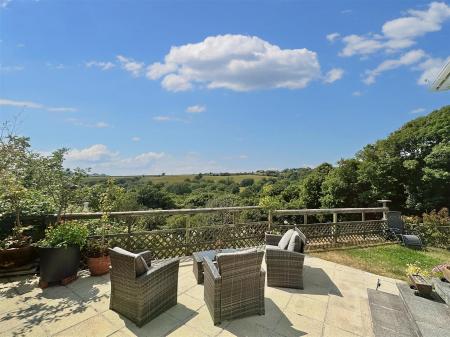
x=442, y=81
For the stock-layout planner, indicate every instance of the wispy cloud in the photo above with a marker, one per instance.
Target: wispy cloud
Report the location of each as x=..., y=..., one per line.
x=96, y=125
x=130, y=65
x=409, y=58
x=399, y=33
x=33, y=105
x=333, y=75
x=9, y=69
x=136, y=139
x=165, y=118
x=417, y=111
x=196, y=109
x=356, y=93
x=4, y=3
x=100, y=64
x=333, y=37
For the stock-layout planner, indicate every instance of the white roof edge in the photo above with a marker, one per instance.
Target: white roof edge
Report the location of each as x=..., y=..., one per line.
x=442, y=81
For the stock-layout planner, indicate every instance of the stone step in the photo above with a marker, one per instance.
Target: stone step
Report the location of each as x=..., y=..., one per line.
x=429, y=317
x=442, y=289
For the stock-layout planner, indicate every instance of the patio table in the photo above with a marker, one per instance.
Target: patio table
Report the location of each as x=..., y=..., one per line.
x=198, y=260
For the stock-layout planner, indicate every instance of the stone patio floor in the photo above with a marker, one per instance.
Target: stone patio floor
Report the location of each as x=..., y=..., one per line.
x=333, y=303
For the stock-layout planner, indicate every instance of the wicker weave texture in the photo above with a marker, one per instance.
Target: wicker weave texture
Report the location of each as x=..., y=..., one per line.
x=142, y=298
x=284, y=268
x=238, y=290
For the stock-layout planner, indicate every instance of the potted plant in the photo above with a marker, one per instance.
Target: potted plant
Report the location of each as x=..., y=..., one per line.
x=60, y=251
x=15, y=166
x=97, y=251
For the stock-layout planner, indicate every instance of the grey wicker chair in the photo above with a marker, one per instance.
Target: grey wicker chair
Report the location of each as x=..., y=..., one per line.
x=284, y=268
x=142, y=298
x=235, y=287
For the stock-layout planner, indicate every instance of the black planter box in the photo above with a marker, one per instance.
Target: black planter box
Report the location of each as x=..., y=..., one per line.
x=58, y=263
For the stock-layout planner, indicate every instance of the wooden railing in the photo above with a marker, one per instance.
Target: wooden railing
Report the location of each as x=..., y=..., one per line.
x=164, y=243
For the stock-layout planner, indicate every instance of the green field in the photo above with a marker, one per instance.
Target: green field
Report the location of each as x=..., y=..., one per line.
x=177, y=178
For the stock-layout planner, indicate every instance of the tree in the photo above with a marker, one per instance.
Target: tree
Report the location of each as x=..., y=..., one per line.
x=247, y=182
x=311, y=186
x=152, y=196
x=341, y=187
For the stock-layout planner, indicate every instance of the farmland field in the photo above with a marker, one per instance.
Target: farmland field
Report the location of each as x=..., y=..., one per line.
x=177, y=178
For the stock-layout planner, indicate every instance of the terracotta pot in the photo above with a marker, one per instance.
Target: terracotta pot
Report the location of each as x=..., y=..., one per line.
x=446, y=272
x=16, y=257
x=99, y=265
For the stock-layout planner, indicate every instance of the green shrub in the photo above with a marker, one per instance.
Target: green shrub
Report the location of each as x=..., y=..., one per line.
x=70, y=233
x=430, y=226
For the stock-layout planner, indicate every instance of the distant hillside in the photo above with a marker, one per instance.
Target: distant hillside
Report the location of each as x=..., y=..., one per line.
x=237, y=178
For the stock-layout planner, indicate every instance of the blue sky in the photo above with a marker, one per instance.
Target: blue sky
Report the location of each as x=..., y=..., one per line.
x=194, y=86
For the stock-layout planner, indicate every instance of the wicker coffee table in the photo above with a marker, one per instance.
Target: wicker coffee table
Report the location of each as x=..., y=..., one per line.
x=198, y=261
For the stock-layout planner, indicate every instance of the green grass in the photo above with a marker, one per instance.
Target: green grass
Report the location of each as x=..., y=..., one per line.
x=179, y=178
x=387, y=260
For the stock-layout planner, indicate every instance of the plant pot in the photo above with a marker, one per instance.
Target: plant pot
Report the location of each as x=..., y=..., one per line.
x=99, y=265
x=446, y=272
x=16, y=257
x=57, y=264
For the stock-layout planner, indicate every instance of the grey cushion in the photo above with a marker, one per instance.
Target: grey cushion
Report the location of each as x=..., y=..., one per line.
x=295, y=243
x=284, y=241
x=140, y=265
x=302, y=238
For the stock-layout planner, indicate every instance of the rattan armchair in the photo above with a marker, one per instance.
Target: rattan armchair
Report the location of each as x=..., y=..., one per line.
x=235, y=287
x=142, y=298
x=284, y=268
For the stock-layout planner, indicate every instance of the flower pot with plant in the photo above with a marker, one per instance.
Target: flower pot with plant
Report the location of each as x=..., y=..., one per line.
x=15, y=177
x=97, y=251
x=60, y=251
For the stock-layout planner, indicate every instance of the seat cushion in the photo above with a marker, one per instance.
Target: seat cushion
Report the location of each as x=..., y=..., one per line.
x=140, y=265
x=295, y=243
x=284, y=241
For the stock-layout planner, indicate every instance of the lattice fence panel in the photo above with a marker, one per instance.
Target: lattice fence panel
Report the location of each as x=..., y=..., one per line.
x=183, y=242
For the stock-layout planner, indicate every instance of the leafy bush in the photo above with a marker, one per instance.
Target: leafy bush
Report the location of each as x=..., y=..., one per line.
x=66, y=234
x=416, y=269
x=430, y=226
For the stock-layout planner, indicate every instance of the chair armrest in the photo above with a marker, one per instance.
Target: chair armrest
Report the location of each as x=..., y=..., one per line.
x=282, y=254
x=212, y=290
x=147, y=256
x=167, y=266
x=210, y=268
x=272, y=239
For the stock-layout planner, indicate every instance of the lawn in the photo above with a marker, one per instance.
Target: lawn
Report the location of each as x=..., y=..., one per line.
x=387, y=260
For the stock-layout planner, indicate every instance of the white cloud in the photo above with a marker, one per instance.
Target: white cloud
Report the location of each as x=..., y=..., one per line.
x=243, y=156
x=418, y=23
x=360, y=45
x=93, y=153
x=20, y=104
x=62, y=109
x=333, y=75
x=34, y=105
x=357, y=93
x=399, y=33
x=130, y=65
x=430, y=69
x=135, y=139
x=196, y=109
x=9, y=69
x=409, y=58
x=97, y=125
x=235, y=62
x=164, y=118
x=101, y=65
x=417, y=111
x=333, y=37
x=58, y=66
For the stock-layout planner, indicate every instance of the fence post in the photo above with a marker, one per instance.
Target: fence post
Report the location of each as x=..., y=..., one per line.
x=270, y=220
x=335, y=229
x=305, y=219
x=385, y=202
